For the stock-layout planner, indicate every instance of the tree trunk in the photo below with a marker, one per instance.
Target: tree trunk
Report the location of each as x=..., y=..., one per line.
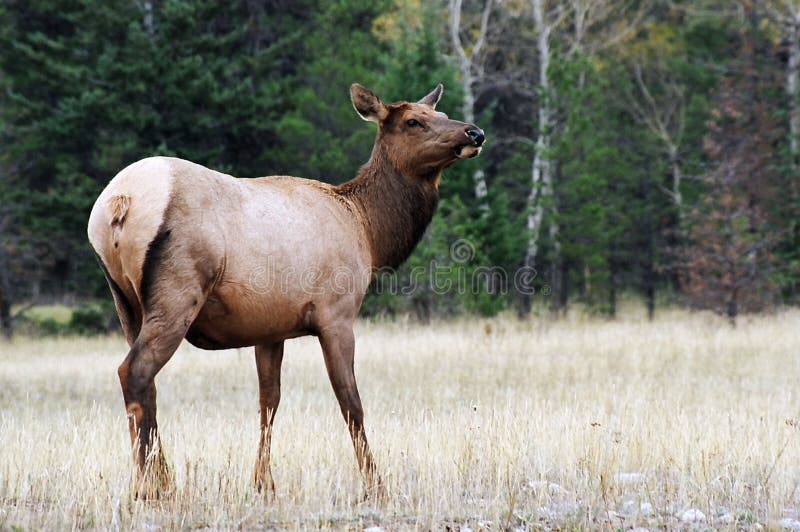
x=564, y=288
x=732, y=308
x=793, y=96
x=677, y=177
x=555, y=287
x=5, y=313
x=557, y=280
x=422, y=308
x=650, y=297
x=793, y=87
x=612, y=288
x=525, y=305
x=586, y=285
x=542, y=170
x=466, y=65
x=554, y=233
x=649, y=285
x=468, y=111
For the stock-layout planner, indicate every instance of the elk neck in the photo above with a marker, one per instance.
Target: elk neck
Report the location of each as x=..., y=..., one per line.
x=395, y=209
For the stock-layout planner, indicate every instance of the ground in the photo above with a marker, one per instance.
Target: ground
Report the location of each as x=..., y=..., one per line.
x=499, y=424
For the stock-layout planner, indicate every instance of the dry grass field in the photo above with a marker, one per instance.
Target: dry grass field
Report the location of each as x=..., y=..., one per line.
x=495, y=424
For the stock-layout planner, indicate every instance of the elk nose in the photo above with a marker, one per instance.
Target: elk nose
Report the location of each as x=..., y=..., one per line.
x=476, y=135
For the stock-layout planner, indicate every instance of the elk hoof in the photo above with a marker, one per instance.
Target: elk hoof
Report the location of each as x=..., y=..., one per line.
x=375, y=491
x=263, y=482
x=155, y=482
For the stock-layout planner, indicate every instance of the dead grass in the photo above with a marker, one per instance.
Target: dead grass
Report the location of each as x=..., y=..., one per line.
x=475, y=423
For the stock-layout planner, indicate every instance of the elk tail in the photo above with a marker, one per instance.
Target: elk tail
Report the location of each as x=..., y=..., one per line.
x=118, y=206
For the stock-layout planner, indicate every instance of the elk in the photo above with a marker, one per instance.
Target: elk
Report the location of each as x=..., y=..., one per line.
x=192, y=253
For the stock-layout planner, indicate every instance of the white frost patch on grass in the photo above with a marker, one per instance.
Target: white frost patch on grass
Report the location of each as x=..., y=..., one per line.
x=550, y=487
x=787, y=523
x=727, y=518
x=692, y=515
x=646, y=509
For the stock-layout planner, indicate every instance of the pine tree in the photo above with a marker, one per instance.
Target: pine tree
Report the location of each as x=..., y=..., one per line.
x=89, y=87
x=730, y=260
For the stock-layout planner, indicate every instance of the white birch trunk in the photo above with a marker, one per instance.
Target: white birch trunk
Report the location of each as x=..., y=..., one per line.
x=467, y=67
x=792, y=88
x=666, y=119
x=677, y=177
x=146, y=7
x=542, y=170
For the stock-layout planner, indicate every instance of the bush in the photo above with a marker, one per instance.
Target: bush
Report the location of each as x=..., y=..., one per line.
x=87, y=320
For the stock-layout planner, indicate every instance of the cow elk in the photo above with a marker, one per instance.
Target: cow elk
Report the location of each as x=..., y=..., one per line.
x=193, y=253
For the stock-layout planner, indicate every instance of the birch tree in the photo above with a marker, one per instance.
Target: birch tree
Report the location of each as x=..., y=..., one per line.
x=581, y=27
x=786, y=13
x=664, y=115
x=598, y=25
x=542, y=170
x=472, y=70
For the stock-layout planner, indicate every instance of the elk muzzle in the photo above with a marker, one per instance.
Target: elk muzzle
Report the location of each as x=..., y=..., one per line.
x=476, y=138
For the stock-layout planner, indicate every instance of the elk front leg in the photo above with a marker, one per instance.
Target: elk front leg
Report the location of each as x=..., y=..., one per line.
x=338, y=346
x=268, y=364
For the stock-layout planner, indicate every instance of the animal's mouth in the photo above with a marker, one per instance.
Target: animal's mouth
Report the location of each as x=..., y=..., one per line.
x=467, y=151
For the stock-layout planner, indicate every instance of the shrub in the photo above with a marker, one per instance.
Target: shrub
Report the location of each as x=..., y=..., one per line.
x=87, y=320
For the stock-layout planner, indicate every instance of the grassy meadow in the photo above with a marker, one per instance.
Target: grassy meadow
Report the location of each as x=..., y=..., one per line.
x=684, y=423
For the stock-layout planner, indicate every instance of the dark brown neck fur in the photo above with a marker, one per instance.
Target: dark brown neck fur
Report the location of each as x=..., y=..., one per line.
x=396, y=209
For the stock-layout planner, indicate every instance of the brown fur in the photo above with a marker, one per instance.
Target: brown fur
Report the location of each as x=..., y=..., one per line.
x=396, y=209
x=223, y=262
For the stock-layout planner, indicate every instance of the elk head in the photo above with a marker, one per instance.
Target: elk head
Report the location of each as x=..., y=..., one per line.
x=417, y=140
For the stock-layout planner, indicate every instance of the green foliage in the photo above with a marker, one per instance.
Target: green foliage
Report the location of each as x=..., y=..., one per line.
x=595, y=179
x=89, y=319
x=730, y=259
x=91, y=87
x=321, y=137
x=81, y=320
x=258, y=88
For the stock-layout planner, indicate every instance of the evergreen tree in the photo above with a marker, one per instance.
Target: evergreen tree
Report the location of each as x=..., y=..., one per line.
x=320, y=136
x=91, y=87
x=730, y=259
x=648, y=182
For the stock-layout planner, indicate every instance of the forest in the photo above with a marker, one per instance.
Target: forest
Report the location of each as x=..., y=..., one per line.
x=635, y=148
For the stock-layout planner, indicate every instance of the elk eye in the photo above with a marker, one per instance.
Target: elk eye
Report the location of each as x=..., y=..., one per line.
x=413, y=123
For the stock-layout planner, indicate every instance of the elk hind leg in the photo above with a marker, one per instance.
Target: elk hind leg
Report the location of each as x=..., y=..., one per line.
x=129, y=315
x=165, y=324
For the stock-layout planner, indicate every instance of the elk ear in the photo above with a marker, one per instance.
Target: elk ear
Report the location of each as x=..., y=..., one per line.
x=367, y=104
x=433, y=98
